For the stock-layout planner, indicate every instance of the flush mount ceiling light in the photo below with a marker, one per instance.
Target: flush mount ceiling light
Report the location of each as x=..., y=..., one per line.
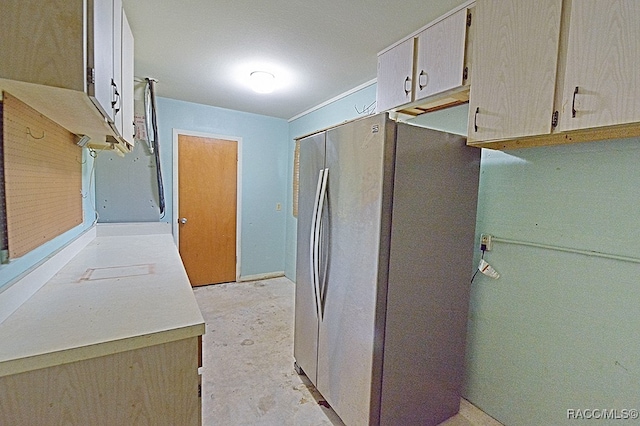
x=262, y=81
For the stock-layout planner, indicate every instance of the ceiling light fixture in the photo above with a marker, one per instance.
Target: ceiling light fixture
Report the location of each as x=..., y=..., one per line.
x=262, y=81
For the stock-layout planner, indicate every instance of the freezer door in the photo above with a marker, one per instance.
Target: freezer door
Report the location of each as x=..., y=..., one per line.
x=312, y=155
x=356, y=154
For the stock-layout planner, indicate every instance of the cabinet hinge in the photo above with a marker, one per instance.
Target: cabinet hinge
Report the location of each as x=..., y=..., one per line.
x=554, y=119
x=465, y=73
x=91, y=75
x=469, y=19
x=199, y=391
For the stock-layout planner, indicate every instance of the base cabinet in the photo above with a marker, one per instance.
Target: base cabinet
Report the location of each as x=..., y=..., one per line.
x=155, y=385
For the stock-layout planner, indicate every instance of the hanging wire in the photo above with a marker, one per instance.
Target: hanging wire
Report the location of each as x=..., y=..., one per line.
x=147, y=117
x=477, y=269
x=93, y=154
x=156, y=146
x=367, y=109
x=32, y=135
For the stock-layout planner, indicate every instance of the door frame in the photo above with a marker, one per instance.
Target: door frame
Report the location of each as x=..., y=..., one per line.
x=174, y=223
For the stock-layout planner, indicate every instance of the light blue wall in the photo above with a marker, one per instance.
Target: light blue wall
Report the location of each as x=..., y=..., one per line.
x=264, y=174
x=344, y=109
x=118, y=200
x=558, y=330
x=16, y=267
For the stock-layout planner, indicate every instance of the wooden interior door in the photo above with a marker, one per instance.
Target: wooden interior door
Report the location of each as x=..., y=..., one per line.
x=207, y=208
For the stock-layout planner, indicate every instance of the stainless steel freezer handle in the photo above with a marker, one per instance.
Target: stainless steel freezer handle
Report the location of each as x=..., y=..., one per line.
x=318, y=243
x=313, y=242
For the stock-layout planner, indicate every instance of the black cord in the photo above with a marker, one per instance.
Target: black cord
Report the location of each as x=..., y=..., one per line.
x=156, y=143
x=477, y=270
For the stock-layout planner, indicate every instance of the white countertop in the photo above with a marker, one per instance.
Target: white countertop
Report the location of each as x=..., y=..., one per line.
x=121, y=292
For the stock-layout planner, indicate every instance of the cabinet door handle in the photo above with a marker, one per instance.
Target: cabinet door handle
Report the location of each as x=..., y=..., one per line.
x=475, y=119
x=114, y=93
x=407, y=86
x=116, y=98
x=423, y=77
x=573, y=103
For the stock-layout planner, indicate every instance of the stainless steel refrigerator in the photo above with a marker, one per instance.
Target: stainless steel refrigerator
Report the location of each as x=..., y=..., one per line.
x=386, y=220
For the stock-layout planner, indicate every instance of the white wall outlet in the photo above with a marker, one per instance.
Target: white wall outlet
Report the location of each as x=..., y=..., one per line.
x=485, y=242
x=278, y=207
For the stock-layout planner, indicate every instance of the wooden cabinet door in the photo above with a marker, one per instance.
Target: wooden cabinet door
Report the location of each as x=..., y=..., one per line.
x=514, y=68
x=395, y=69
x=603, y=58
x=441, y=54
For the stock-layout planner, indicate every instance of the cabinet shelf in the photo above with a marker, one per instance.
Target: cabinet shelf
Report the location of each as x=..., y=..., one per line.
x=619, y=131
x=437, y=102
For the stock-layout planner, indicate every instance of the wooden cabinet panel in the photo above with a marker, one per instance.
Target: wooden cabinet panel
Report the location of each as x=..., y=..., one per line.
x=515, y=63
x=395, y=70
x=603, y=57
x=154, y=385
x=441, y=56
x=49, y=47
x=49, y=54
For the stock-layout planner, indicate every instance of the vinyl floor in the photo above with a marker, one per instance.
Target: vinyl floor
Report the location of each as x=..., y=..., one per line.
x=247, y=374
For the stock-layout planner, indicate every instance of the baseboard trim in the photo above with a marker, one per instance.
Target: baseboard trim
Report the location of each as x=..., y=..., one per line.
x=475, y=415
x=257, y=277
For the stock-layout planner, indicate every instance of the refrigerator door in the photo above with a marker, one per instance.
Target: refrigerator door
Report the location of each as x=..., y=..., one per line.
x=356, y=154
x=312, y=154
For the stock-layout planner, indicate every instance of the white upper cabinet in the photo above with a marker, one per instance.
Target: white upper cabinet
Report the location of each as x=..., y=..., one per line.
x=122, y=85
x=441, y=56
x=100, y=55
x=427, y=70
x=515, y=62
x=602, y=81
x=127, y=113
x=554, y=72
x=116, y=84
x=395, y=76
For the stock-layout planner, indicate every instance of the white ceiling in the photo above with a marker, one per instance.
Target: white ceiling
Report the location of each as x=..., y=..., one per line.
x=203, y=50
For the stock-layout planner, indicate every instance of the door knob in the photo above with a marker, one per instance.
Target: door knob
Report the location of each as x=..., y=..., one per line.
x=183, y=220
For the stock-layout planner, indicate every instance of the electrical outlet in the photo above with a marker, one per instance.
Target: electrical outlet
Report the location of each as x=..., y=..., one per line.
x=485, y=242
x=278, y=207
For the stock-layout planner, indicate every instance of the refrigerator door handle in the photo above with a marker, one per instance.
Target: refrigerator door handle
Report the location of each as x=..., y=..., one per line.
x=320, y=225
x=313, y=243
